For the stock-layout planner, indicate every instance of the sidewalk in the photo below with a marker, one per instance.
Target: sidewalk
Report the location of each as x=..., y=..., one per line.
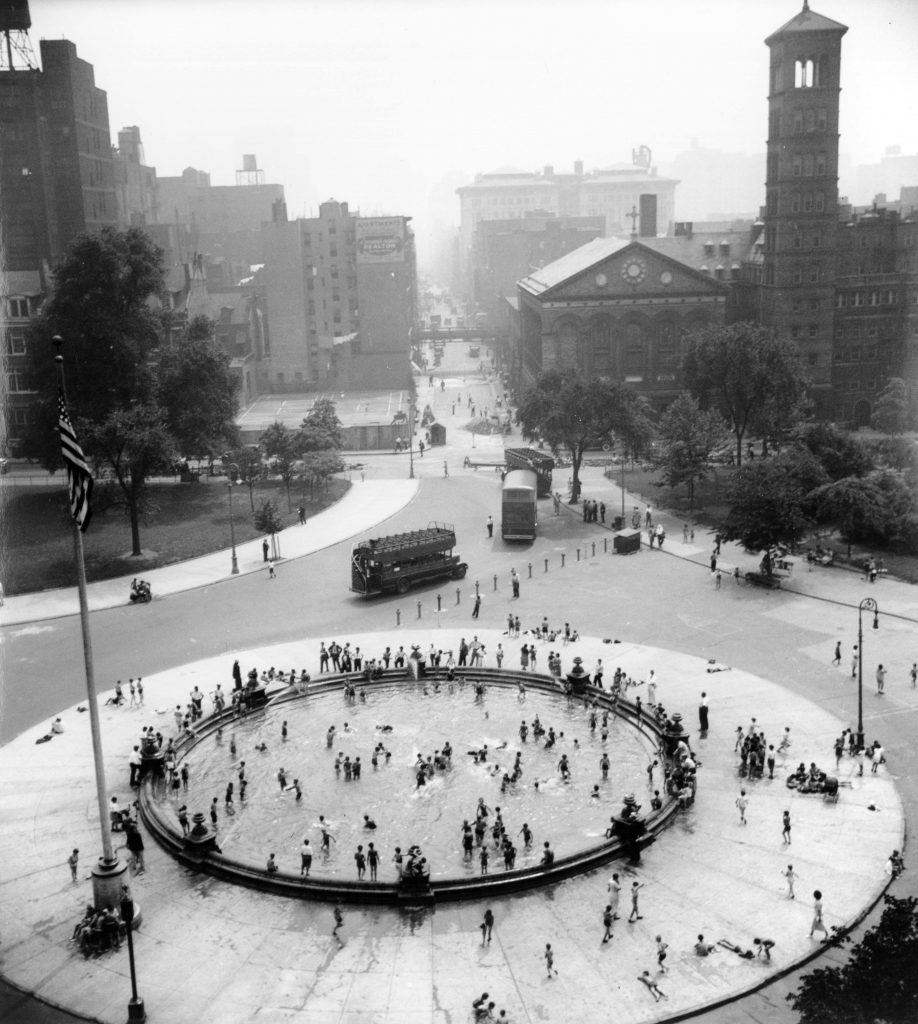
x=365, y=506
x=209, y=951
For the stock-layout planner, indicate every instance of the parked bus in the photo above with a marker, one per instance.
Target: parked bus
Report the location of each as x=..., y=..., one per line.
x=519, y=509
x=398, y=562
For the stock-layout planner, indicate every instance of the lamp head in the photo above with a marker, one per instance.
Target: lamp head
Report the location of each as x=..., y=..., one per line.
x=876, y=620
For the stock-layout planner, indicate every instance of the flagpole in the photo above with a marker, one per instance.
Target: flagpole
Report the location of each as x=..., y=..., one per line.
x=108, y=871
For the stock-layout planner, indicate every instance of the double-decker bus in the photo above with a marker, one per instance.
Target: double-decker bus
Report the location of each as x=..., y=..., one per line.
x=398, y=562
x=519, y=509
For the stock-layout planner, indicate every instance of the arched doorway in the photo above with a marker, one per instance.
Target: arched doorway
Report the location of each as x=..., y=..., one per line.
x=861, y=413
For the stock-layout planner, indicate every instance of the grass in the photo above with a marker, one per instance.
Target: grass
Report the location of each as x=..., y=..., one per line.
x=189, y=520
x=711, y=507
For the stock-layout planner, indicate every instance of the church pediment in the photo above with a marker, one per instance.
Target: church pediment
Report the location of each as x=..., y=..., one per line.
x=635, y=272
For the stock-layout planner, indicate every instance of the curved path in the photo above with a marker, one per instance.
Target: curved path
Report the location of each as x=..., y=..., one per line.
x=210, y=951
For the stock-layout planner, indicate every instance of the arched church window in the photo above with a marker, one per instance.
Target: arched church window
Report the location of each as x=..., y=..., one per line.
x=633, y=361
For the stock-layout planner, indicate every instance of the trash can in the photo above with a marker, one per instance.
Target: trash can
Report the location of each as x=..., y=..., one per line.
x=617, y=522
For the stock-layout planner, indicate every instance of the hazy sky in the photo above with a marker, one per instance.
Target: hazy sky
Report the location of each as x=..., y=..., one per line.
x=387, y=103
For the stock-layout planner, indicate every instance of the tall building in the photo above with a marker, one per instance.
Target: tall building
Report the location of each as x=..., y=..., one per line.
x=801, y=191
x=56, y=182
x=135, y=182
x=341, y=297
x=618, y=194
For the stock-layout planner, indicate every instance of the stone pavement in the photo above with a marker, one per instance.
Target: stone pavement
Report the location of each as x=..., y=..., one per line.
x=209, y=951
x=365, y=505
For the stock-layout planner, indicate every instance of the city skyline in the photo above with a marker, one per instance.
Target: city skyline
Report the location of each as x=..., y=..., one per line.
x=391, y=105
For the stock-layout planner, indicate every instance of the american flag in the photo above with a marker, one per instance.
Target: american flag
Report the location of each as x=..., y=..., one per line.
x=79, y=478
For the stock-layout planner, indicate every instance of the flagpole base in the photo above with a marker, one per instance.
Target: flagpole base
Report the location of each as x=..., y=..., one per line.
x=107, y=878
x=136, y=1011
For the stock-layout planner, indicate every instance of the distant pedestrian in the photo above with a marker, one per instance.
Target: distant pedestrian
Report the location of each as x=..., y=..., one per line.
x=607, y=918
x=445, y=468
x=490, y=526
x=854, y=661
x=515, y=582
x=73, y=860
x=661, y=954
x=487, y=925
x=836, y=660
x=635, y=914
x=271, y=575
x=703, y=713
x=913, y=673
x=791, y=877
x=339, y=922
x=477, y=606
x=718, y=579
x=818, y=923
x=763, y=947
x=550, y=960
x=742, y=803
x=305, y=858
x=685, y=533
x=881, y=679
x=264, y=549
x=785, y=831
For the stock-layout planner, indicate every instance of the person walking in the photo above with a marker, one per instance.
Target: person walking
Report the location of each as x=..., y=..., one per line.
x=818, y=923
x=73, y=860
x=339, y=922
x=305, y=858
x=490, y=525
x=515, y=582
x=635, y=914
x=881, y=680
x=791, y=877
x=614, y=889
x=742, y=803
x=661, y=954
x=607, y=918
x=837, y=659
x=476, y=608
x=913, y=673
x=785, y=831
x=264, y=550
x=487, y=925
x=550, y=960
x=271, y=575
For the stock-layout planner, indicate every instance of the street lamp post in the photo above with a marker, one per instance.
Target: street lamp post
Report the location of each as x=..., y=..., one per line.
x=234, y=469
x=136, y=1010
x=868, y=605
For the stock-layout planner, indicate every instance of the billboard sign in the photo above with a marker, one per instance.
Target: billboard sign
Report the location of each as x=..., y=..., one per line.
x=381, y=240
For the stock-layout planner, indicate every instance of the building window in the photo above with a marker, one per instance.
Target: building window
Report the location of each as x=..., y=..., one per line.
x=795, y=330
x=820, y=164
x=797, y=241
x=18, y=418
x=813, y=330
x=804, y=73
x=808, y=165
x=819, y=203
x=634, y=353
x=858, y=298
x=796, y=166
x=16, y=341
x=18, y=308
x=811, y=120
x=814, y=275
x=17, y=381
x=814, y=304
x=870, y=354
x=873, y=331
x=811, y=358
x=798, y=122
x=821, y=119
x=807, y=202
x=795, y=202
x=798, y=276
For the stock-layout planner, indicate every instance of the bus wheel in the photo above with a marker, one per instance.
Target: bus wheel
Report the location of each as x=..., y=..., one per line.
x=459, y=572
x=402, y=586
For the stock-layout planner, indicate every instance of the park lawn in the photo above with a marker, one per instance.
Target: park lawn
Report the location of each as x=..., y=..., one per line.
x=190, y=520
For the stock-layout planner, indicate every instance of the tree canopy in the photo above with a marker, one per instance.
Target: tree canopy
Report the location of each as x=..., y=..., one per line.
x=892, y=411
x=572, y=412
x=133, y=407
x=749, y=374
x=687, y=438
x=852, y=504
x=840, y=453
x=877, y=983
x=321, y=428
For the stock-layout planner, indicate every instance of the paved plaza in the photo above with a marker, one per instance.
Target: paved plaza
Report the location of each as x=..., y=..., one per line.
x=210, y=951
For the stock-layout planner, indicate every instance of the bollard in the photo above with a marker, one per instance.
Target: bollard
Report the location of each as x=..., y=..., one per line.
x=530, y=570
x=439, y=602
x=594, y=548
x=605, y=544
x=578, y=554
x=398, y=616
x=562, y=559
x=495, y=581
x=546, y=565
x=419, y=609
x=457, y=595
x=476, y=588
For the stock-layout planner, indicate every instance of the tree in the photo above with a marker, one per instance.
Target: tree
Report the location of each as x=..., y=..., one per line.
x=101, y=309
x=197, y=391
x=687, y=438
x=892, y=408
x=321, y=428
x=878, y=983
x=855, y=506
x=133, y=443
x=281, y=446
x=840, y=453
x=249, y=468
x=746, y=372
x=318, y=468
x=267, y=519
x=570, y=411
x=768, y=504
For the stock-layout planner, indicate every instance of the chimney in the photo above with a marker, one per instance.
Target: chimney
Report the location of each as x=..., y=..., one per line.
x=578, y=168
